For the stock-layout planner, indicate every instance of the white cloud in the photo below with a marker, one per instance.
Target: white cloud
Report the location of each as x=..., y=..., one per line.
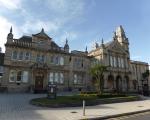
x=66, y=9
x=69, y=35
x=4, y=30
x=10, y=4
x=31, y=26
x=136, y=57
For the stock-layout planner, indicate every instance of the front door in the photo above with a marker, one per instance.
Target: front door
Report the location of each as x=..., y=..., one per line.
x=39, y=82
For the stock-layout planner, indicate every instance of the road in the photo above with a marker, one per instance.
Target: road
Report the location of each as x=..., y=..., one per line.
x=140, y=116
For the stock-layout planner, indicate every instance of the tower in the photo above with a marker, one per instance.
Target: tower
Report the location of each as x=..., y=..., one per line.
x=66, y=46
x=121, y=38
x=10, y=36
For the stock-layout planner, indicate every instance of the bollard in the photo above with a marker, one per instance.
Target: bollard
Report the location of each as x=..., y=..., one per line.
x=83, y=107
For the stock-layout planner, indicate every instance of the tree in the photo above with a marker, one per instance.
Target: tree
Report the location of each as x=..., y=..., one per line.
x=145, y=75
x=97, y=71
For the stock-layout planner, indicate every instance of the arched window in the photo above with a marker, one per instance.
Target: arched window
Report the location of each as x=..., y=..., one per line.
x=14, y=55
x=12, y=76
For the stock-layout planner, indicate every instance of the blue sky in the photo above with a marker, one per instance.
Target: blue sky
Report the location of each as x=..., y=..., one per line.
x=83, y=22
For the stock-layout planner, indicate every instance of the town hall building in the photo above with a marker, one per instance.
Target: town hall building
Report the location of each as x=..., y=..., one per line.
x=32, y=62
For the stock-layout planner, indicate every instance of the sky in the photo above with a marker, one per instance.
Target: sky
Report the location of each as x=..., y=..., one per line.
x=82, y=22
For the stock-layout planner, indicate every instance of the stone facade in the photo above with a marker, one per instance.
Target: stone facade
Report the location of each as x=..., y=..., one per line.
x=31, y=62
x=123, y=74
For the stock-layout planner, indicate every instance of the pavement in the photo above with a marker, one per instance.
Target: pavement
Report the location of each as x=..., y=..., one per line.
x=17, y=107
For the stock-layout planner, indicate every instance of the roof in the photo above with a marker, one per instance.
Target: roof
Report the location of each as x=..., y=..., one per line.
x=25, y=39
x=2, y=59
x=138, y=62
x=42, y=34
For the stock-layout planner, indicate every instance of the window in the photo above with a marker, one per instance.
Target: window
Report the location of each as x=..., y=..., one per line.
x=111, y=61
x=119, y=62
x=61, y=61
x=27, y=56
x=122, y=63
x=52, y=59
x=12, y=76
x=115, y=65
x=56, y=60
x=56, y=78
x=75, y=79
x=25, y=76
x=38, y=58
x=14, y=55
x=42, y=58
x=61, y=78
x=20, y=57
x=19, y=76
x=51, y=78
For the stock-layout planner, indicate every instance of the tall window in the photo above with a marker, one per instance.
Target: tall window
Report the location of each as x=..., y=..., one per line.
x=122, y=62
x=111, y=61
x=119, y=62
x=19, y=76
x=14, y=55
x=115, y=65
x=75, y=79
x=42, y=58
x=56, y=60
x=27, y=56
x=12, y=76
x=51, y=78
x=61, y=61
x=56, y=78
x=25, y=76
x=38, y=58
x=20, y=57
x=61, y=78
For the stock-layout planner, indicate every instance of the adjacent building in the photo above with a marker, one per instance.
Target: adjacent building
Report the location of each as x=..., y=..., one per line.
x=32, y=62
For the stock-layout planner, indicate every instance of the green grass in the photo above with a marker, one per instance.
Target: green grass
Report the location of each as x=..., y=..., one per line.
x=76, y=100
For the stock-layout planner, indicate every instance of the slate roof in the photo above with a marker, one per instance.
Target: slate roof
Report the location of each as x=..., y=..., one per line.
x=25, y=39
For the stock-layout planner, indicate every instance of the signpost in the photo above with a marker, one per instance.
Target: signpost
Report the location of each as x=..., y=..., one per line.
x=83, y=107
x=51, y=91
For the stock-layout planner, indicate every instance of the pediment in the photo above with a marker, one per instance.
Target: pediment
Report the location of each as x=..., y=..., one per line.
x=116, y=47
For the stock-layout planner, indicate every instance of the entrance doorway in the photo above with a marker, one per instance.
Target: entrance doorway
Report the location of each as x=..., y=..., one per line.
x=39, y=78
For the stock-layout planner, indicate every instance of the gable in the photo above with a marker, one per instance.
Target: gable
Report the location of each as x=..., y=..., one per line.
x=116, y=47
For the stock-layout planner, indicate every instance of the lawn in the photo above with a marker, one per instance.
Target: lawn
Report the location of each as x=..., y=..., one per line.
x=76, y=100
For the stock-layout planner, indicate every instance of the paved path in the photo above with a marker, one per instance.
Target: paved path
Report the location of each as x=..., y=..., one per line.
x=17, y=107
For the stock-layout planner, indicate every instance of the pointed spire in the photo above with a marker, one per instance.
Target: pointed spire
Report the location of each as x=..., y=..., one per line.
x=86, y=50
x=102, y=41
x=120, y=31
x=11, y=29
x=114, y=36
x=66, y=41
x=42, y=30
x=96, y=45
